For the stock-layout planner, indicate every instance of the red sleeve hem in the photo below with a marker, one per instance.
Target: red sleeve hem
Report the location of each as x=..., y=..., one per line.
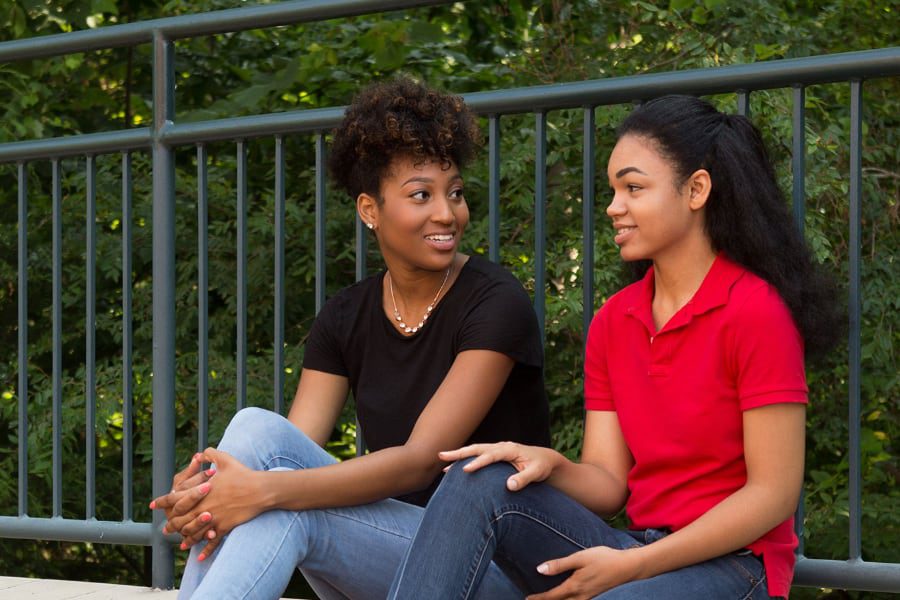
x=774, y=397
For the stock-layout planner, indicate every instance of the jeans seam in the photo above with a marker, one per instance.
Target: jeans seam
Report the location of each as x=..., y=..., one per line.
x=366, y=523
x=271, y=459
x=552, y=527
x=471, y=575
x=268, y=566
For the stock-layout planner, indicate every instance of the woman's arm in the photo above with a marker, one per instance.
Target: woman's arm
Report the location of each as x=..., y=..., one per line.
x=774, y=441
x=237, y=494
x=599, y=481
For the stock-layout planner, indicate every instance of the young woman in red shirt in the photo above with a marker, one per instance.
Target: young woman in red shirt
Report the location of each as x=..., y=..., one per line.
x=694, y=389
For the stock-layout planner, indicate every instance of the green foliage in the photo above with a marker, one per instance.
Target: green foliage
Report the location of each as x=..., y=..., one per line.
x=463, y=48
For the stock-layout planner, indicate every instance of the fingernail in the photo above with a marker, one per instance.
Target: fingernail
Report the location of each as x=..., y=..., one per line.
x=211, y=534
x=210, y=472
x=153, y=505
x=512, y=484
x=204, y=488
x=165, y=530
x=183, y=546
x=201, y=558
x=206, y=517
x=197, y=457
x=543, y=569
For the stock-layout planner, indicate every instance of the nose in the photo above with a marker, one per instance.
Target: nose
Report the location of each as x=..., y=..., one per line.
x=616, y=207
x=443, y=210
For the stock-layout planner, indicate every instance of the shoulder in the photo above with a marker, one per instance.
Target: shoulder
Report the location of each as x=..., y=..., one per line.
x=755, y=302
x=349, y=300
x=485, y=279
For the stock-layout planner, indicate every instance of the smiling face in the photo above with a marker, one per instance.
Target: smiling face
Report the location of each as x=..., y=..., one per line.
x=422, y=214
x=653, y=213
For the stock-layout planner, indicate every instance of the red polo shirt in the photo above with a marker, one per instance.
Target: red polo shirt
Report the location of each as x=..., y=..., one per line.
x=679, y=394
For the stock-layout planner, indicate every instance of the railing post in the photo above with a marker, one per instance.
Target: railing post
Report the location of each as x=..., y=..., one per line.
x=163, y=301
x=855, y=302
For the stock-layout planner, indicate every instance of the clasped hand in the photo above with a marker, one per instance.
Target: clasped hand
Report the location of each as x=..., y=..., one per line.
x=207, y=504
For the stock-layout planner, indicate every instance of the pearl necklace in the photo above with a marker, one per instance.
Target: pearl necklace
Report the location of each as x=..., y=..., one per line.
x=406, y=328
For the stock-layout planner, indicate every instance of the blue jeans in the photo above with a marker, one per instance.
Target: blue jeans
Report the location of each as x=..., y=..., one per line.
x=473, y=518
x=350, y=552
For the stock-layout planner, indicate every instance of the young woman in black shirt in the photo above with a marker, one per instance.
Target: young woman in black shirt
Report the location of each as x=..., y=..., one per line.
x=439, y=350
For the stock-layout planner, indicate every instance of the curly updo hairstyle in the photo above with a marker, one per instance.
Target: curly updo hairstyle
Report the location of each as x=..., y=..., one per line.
x=399, y=118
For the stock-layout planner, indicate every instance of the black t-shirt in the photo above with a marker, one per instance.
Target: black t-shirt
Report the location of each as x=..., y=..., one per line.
x=393, y=377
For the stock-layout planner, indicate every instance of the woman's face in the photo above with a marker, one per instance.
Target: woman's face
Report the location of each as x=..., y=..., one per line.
x=652, y=213
x=422, y=216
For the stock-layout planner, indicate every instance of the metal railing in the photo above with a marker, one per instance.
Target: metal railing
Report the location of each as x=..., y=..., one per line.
x=164, y=135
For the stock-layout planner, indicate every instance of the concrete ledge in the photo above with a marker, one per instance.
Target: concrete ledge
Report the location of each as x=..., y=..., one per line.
x=23, y=588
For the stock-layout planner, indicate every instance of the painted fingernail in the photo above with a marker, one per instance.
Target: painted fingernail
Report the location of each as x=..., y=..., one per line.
x=183, y=546
x=153, y=505
x=543, y=569
x=204, y=488
x=210, y=472
x=165, y=530
x=201, y=558
x=206, y=517
x=211, y=534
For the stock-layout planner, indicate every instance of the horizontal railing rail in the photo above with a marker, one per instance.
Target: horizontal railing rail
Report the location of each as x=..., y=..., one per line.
x=165, y=135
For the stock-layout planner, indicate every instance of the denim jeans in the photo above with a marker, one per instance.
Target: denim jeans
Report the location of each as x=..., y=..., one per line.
x=473, y=518
x=349, y=552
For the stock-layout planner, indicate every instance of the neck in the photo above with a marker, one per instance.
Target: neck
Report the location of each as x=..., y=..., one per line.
x=677, y=278
x=416, y=286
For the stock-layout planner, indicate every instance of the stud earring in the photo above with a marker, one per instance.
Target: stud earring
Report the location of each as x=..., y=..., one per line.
x=370, y=226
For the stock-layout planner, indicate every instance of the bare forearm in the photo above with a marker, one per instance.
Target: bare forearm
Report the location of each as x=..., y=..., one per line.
x=383, y=474
x=591, y=485
x=734, y=523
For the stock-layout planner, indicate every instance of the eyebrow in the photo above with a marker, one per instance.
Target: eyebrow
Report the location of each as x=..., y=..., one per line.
x=429, y=179
x=627, y=170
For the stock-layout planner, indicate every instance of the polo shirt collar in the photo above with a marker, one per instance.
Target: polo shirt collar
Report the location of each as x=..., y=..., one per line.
x=712, y=293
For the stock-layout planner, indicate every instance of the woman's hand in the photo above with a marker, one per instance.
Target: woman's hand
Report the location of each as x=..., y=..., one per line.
x=594, y=571
x=176, y=502
x=230, y=498
x=533, y=463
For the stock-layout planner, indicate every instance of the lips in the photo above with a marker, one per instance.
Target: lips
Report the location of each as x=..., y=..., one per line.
x=441, y=242
x=622, y=233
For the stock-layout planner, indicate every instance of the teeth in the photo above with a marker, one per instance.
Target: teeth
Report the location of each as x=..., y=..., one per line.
x=624, y=229
x=439, y=238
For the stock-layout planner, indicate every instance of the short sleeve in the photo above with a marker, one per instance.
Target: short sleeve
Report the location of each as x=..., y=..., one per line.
x=597, y=392
x=502, y=319
x=767, y=352
x=323, y=347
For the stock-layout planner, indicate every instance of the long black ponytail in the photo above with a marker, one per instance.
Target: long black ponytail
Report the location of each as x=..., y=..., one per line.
x=747, y=217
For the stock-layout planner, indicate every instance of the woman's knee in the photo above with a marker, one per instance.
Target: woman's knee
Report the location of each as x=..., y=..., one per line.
x=489, y=481
x=254, y=433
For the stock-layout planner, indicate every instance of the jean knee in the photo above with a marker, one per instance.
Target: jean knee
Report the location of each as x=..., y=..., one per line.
x=248, y=433
x=486, y=483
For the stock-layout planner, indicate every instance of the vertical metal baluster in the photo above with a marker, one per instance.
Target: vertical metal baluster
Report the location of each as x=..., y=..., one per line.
x=494, y=188
x=588, y=197
x=743, y=103
x=320, y=221
x=202, y=299
x=57, y=339
x=361, y=237
x=163, y=301
x=23, y=339
x=279, y=275
x=540, y=201
x=798, y=158
x=798, y=167
x=127, y=343
x=855, y=317
x=241, y=274
x=90, y=324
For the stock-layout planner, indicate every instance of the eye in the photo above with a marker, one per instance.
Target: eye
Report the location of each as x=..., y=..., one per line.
x=457, y=194
x=420, y=195
x=633, y=187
